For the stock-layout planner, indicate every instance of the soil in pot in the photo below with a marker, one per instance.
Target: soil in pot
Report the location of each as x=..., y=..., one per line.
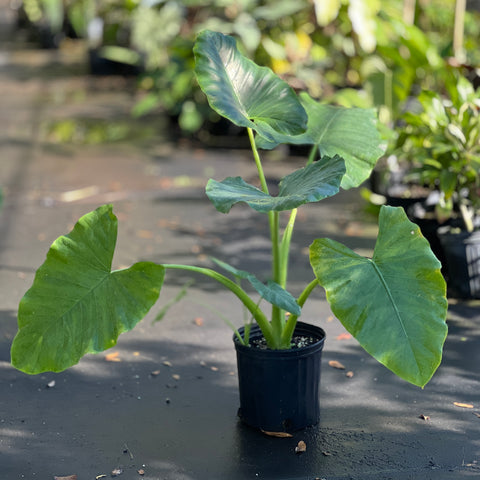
x=279, y=389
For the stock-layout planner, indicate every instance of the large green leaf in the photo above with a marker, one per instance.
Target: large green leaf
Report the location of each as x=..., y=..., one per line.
x=394, y=304
x=315, y=182
x=348, y=132
x=272, y=292
x=76, y=304
x=245, y=93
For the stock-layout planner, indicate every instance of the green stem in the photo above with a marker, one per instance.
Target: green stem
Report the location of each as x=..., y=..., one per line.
x=257, y=314
x=258, y=163
x=312, y=155
x=277, y=313
x=292, y=319
x=285, y=248
x=274, y=223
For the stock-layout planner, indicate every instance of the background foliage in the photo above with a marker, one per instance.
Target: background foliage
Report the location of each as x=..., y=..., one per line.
x=374, y=53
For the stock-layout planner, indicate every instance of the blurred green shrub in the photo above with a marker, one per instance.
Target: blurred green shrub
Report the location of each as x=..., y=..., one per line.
x=440, y=143
x=353, y=52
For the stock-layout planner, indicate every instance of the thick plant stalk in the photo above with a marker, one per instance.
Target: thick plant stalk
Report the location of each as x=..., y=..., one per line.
x=292, y=320
x=285, y=248
x=273, y=217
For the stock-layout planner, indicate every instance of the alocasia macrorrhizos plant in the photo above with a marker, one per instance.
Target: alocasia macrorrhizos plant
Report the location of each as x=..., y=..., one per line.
x=393, y=303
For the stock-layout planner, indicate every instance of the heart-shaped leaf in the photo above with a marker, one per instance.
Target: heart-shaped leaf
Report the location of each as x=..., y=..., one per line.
x=313, y=183
x=348, y=132
x=76, y=304
x=243, y=92
x=394, y=304
x=272, y=292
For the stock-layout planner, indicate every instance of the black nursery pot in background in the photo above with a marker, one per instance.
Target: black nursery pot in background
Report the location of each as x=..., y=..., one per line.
x=279, y=389
x=462, y=255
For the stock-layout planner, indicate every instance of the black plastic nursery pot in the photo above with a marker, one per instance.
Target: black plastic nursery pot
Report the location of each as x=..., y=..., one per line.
x=279, y=389
x=462, y=254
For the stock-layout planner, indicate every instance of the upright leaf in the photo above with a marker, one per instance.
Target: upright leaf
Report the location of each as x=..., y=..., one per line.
x=313, y=183
x=394, y=304
x=76, y=304
x=348, y=132
x=243, y=92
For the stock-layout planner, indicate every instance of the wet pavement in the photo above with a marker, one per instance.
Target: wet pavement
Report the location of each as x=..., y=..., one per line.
x=164, y=404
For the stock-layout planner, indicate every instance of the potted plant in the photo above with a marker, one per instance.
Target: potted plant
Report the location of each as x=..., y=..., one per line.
x=44, y=20
x=394, y=303
x=440, y=141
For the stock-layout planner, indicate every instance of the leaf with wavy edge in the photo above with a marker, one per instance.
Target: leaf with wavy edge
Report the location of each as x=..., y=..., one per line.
x=394, y=304
x=76, y=304
x=313, y=183
x=348, y=132
x=243, y=92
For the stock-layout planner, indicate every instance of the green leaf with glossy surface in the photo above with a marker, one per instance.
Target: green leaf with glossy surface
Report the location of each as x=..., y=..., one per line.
x=348, y=132
x=310, y=184
x=272, y=292
x=76, y=304
x=243, y=92
x=394, y=304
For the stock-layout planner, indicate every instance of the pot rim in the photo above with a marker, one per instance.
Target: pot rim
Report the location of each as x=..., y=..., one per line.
x=300, y=328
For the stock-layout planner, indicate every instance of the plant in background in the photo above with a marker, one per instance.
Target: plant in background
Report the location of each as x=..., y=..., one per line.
x=393, y=303
x=441, y=143
x=164, y=32
x=45, y=19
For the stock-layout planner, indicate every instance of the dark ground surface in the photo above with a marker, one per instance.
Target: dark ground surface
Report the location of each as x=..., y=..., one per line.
x=177, y=420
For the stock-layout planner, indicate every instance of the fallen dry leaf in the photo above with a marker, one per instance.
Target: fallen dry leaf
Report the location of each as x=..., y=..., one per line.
x=167, y=363
x=477, y=414
x=214, y=369
x=198, y=321
x=141, y=471
x=176, y=376
x=327, y=454
x=344, y=336
x=166, y=182
x=146, y=234
x=301, y=447
x=98, y=477
x=354, y=229
x=335, y=364
x=68, y=477
x=424, y=417
x=113, y=357
x=349, y=374
x=277, y=434
x=155, y=373
x=463, y=405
